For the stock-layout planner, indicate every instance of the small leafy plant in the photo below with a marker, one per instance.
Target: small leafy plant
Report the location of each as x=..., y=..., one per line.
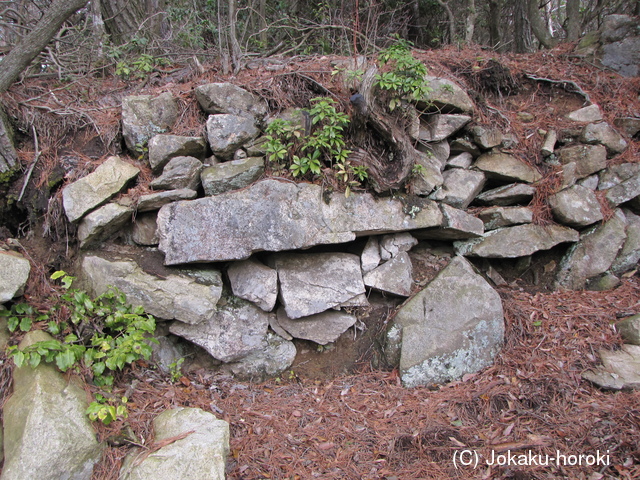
x=324, y=145
x=99, y=336
x=406, y=75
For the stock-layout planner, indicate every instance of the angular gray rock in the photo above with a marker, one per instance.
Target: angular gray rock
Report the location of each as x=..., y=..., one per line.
x=394, y=276
x=370, y=257
x=588, y=159
x=453, y=327
x=624, y=191
x=587, y=114
x=174, y=296
x=47, y=434
x=274, y=216
x=518, y=241
x=497, y=217
x=144, y=229
x=462, y=145
x=623, y=56
x=228, y=98
x=97, y=188
x=231, y=175
x=461, y=160
x=629, y=255
x=439, y=126
x=392, y=245
x=575, y=206
x=321, y=328
x=426, y=177
x=315, y=282
x=273, y=359
x=507, y=195
x=460, y=187
x=603, y=134
x=628, y=125
x=163, y=148
x=254, y=281
x=144, y=116
x=437, y=151
x=103, y=223
x=446, y=96
x=155, y=201
x=486, y=137
x=456, y=225
x=616, y=174
x=620, y=370
x=505, y=167
x=15, y=273
x=593, y=254
x=179, y=173
x=236, y=329
x=227, y=133
x=629, y=329
x=201, y=454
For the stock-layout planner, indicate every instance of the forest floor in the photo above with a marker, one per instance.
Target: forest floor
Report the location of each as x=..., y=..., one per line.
x=362, y=424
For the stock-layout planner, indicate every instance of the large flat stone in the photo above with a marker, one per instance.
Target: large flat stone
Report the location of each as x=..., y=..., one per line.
x=273, y=216
x=102, y=223
x=518, y=241
x=503, y=166
x=171, y=297
x=97, y=188
x=322, y=328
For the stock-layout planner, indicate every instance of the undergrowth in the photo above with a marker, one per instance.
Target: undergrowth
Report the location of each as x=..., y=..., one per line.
x=95, y=336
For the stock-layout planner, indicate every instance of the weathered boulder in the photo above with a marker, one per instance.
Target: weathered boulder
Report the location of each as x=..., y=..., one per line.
x=322, y=328
x=460, y=187
x=144, y=116
x=47, y=434
x=155, y=201
x=97, y=188
x=102, y=223
x=496, y=217
x=505, y=167
x=603, y=134
x=454, y=326
x=228, y=98
x=506, y=195
x=616, y=174
x=446, y=96
x=518, y=241
x=437, y=151
x=593, y=254
x=315, y=282
x=15, y=273
x=576, y=206
x=624, y=191
x=456, y=225
x=200, y=454
x=254, y=281
x=620, y=370
x=274, y=358
x=163, y=148
x=462, y=145
x=172, y=297
x=629, y=255
x=393, y=276
x=587, y=114
x=426, y=176
x=227, y=133
x=630, y=126
x=231, y=175
x=236, y=329
x=144, y=229
x=439, y=126
x=179, y=173
x=629, y=329
x=621, y=44
x=370, y=257
x=233, y=225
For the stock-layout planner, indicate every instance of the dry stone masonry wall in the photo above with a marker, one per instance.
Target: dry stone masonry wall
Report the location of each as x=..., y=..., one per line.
x=242, y=285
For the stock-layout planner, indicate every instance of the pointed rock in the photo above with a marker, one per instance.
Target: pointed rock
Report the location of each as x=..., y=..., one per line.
x=102, y=223
x=255, y=282
x=457, y=225
x=393, y=276
x=321, y=328
x=603, y=134
x=437, y=127
x=460, y=187
x=588, y=114
x=446, y=96
x=512, y=194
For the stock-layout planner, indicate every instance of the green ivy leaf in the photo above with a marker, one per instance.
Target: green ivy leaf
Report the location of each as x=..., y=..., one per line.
x=65, y=360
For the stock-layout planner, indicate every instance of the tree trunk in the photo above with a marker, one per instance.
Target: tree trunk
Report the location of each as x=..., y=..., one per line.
x=414, y=21
x=494, y=24
x=521, y=29
x=452, y=20
x=123, y=19
x=8, y=155
x=538, y=25
x=470, y=22
x=573, y=20
x=31, y=45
